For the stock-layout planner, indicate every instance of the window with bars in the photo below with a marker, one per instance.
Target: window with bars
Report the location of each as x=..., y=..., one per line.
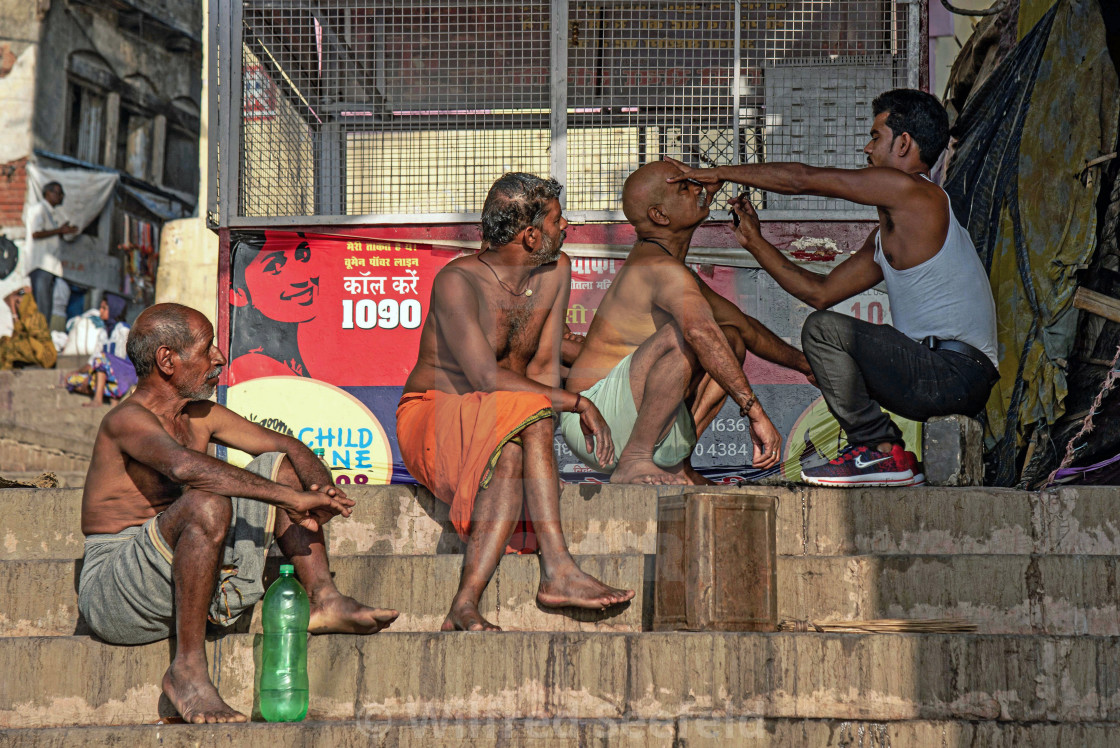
x=408, y=110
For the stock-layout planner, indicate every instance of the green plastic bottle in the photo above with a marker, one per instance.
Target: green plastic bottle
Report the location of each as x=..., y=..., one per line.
x=284, y=654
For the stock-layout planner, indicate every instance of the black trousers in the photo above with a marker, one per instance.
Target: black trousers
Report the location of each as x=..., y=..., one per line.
x=860, y=367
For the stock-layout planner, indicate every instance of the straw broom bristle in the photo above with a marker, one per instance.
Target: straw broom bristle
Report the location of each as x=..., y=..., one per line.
x=883, y=626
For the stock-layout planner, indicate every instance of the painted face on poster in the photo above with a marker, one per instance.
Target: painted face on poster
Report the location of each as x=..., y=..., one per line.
x=284, y=282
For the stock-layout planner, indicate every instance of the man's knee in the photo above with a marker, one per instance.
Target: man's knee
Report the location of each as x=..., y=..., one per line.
x=735, y=340
x=823, y=327
x=510, y=461
x=207, y=513
x=286, y=475
x=671, y=340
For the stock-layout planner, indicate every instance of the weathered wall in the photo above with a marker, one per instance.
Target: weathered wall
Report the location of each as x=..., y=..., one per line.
x=19, y=20
x=188, y=266
x=69, y=27
x=188, y=251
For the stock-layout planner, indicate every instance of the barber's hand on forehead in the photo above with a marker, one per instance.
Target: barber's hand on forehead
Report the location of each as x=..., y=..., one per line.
x=706, y=177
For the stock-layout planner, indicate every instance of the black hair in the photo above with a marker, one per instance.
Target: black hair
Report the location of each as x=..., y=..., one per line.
x=515, y=201
x=51, y=186
x=921, y=115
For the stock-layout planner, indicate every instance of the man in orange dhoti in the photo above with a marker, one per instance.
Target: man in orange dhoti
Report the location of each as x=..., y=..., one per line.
x=475, y=422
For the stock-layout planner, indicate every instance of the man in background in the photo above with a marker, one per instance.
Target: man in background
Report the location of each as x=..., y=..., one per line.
x=45, y=227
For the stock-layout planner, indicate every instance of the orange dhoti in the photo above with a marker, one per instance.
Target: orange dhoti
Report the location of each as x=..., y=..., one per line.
x=451, y=443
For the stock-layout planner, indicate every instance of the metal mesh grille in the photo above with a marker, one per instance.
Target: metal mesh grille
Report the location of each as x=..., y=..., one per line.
x=409, y=109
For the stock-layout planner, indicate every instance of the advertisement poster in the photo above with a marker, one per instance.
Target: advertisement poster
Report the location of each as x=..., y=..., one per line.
x=324, y=331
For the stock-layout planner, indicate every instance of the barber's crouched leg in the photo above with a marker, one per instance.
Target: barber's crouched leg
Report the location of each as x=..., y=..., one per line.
x=824, y=333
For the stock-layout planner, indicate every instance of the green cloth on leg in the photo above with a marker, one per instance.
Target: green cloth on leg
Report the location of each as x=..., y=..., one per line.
x=615, y=400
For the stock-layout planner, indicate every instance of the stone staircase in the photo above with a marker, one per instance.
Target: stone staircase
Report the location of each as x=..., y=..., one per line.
x=44, y=428
x=1036, y=573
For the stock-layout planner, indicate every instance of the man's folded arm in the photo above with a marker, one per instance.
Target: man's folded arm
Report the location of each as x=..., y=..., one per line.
x=676, y=291
x=141, y=436
x=232, y=430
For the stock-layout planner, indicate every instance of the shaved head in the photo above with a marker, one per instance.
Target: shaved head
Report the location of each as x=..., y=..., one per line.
x=644, y=189
x=172, y=325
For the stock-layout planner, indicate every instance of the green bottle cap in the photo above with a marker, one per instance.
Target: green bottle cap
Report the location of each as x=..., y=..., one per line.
x=287, y=570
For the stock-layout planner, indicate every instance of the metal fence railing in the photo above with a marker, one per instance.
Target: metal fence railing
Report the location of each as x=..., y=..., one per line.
x=407, y=110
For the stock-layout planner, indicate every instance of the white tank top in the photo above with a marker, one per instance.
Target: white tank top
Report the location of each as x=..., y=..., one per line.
x=947, y=296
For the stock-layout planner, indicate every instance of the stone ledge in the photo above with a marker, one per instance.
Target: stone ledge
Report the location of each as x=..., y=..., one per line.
x=623, y=519
x=648, y=676
x=953, y=451
x=742, y=732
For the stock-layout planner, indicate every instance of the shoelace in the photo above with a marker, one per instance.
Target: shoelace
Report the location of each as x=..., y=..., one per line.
x=847, y=455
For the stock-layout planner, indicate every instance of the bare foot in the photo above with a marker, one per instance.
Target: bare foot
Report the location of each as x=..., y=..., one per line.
x=644, y=471
x=91, y=404
x=577, y=589
x=464, y=616
x=686, y=471
x=190, y=691
x=339, y=614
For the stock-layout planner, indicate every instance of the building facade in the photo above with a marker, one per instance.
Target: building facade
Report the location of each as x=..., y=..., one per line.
x=102, y=87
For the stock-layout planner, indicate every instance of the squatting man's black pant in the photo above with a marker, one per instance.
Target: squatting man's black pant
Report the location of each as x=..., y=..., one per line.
x=860, y=366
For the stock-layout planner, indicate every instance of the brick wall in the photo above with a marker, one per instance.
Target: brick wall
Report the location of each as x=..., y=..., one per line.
x=13, y=190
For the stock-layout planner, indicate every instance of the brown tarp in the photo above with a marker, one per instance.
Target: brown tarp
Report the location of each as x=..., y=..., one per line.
x=1024, y=137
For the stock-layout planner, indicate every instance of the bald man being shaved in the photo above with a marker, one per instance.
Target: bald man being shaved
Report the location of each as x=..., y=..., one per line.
x=664, y=350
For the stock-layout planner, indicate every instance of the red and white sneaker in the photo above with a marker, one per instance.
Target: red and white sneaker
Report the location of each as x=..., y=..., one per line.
x=908, y=459
x=862, y=466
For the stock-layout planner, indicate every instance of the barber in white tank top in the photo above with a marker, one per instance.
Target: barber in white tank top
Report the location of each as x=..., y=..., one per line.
x=947, y=297
x=941, y=356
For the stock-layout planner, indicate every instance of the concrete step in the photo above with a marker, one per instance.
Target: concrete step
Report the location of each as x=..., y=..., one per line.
x=742, y=732
x=1061, y=595
x=47, y=419
x=18, y=460
x=64, y=478
x=78, y=681
x=58, y=419
x=41, y=599
x=24, y=380
x=75, y=440
x=45, y=523
x=37, y=379
x=41, y=401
